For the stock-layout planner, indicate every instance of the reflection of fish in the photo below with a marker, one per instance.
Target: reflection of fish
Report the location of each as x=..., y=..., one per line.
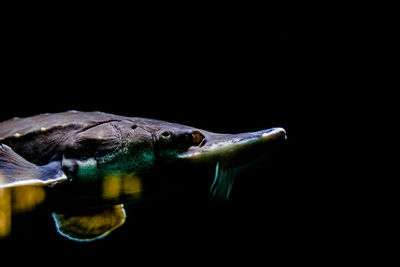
x=100, y=160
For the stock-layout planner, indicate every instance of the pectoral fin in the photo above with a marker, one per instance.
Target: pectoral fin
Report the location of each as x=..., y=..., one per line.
x=91, y=225
x=16, y=171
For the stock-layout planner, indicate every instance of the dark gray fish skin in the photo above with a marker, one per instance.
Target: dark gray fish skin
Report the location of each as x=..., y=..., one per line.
x=84, y=135
x=90, y=161
x=41, y=137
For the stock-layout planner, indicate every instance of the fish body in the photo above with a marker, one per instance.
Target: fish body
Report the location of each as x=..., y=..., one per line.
x=96, y=161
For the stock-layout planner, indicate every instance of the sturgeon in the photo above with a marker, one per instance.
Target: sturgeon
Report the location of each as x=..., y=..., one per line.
x=94, y=162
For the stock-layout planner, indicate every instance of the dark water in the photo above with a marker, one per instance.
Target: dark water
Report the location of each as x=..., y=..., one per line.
x=245, y=79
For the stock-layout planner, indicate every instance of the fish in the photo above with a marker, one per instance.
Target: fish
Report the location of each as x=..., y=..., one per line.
x=89, y=164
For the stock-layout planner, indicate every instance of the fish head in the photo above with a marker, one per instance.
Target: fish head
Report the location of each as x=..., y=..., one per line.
x=175, y=142
x=177, y=146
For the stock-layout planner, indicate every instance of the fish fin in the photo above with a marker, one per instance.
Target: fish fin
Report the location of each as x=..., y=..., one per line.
x=91, y=225
x=223, y=182
x=17, y=171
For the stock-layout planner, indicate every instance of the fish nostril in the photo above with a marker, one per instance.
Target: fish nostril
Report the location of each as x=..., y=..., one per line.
x=198, y=139
x=133, y=127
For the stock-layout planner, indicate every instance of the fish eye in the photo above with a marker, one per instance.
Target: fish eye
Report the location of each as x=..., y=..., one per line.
x=167, y=135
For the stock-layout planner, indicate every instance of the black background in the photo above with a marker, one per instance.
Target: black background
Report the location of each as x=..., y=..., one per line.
x=225, y=71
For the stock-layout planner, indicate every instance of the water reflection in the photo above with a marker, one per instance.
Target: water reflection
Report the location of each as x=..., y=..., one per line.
x=16, y=200
x=26, y=198
x=121, y=184
x=20, y=199
x=5, y=211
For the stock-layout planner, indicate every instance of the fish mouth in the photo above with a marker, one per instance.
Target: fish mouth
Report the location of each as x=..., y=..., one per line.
x=235, y=148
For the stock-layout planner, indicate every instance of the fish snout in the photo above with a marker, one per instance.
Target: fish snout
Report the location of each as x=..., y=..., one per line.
x=276, y=133
x=241, y=146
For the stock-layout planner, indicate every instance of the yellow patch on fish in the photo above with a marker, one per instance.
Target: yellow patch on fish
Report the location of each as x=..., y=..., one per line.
x=26, y=198
x=5, y=211
x=121, y=184
x=18, y=199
